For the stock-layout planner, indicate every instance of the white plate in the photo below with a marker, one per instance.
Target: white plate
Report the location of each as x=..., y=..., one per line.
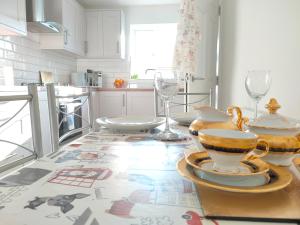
x=185, y=118
x=238, y=181
x=130, y=123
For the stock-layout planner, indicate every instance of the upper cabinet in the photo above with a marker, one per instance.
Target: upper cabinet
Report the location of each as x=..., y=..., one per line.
x=72, y=38
x=105, y=34
x=13, y=17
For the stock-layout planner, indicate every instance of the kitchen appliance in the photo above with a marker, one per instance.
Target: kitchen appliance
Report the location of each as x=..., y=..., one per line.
x=70, y=121
x=78, y=79
x=44, y=16
x=89, y=78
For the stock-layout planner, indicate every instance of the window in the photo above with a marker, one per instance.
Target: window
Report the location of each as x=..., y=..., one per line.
x=151, y=46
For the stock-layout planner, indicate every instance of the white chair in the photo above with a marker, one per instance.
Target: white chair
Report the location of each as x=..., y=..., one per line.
x=31, y=98
x=54, y=110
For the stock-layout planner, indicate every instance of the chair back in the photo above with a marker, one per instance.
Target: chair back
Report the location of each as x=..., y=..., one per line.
x=16, y=106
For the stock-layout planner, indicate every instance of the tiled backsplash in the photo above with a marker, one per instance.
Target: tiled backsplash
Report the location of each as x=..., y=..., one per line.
x=111, y=69
x=21, y=59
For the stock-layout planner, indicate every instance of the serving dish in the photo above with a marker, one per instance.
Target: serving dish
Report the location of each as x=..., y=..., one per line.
x=209, y=118
x=254, y=172
x=280, y=177
x=130, y=123
x=279, y=131
x=201, y=161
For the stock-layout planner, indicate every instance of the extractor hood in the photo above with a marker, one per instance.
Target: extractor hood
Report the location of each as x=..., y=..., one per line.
x=43, y=16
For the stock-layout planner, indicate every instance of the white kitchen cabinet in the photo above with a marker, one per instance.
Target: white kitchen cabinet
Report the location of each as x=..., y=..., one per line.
x=94, y=34
x=13, y=17
x=80, y=30
x=140, y=103
x=105, y=34
x=72, y=37
x=112, y=103
x=123, y=103
x=69, y=23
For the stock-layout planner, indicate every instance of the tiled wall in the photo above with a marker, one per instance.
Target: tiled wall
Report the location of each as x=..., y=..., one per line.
x=111, y=69
x=21, y=60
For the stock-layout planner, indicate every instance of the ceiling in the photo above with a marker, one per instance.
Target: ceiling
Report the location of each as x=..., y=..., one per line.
x=116, y=3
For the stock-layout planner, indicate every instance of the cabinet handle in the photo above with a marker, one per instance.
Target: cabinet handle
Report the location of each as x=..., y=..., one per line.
x=123, y=100
x=86, y=47
x=118, y=47
x=65, y=37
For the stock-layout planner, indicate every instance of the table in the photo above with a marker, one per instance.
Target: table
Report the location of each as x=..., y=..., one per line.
x=105, y=179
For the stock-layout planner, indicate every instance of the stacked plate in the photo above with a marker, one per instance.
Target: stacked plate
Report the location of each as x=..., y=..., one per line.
x=254, y=176
x=130, y=123
x=185, y=118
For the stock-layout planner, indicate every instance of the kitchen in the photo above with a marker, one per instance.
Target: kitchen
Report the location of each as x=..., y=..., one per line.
x=80, y=79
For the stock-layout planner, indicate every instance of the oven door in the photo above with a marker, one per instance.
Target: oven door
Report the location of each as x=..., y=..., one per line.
x=69, y=118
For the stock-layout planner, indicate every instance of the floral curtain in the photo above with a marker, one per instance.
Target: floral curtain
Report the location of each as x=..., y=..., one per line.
x=188, y=38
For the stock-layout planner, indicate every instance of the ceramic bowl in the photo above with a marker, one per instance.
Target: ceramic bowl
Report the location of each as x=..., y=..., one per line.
x=227, y=148
x=279, y=131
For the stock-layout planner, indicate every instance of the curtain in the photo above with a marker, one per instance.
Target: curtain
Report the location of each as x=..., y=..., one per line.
x=188, y=38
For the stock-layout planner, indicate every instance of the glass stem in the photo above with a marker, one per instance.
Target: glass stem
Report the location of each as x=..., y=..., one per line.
x=167, y=112
x=255, y=112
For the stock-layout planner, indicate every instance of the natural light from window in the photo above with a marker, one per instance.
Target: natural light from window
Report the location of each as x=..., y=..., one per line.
x=151, y=46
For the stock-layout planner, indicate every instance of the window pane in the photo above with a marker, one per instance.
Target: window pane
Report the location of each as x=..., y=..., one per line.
x=151, y=46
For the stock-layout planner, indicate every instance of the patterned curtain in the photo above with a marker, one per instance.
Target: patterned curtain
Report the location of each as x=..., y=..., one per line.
x=188, y=38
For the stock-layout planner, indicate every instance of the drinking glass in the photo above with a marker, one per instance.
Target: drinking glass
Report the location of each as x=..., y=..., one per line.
x=167, y=85
x=257, y=84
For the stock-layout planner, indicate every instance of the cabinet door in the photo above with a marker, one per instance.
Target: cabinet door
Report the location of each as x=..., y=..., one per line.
x=80, y=30
x=140, y=103
x=112, y=34
x=69, y=15
x=94, y=34
x=112, y=103
x=13, y=17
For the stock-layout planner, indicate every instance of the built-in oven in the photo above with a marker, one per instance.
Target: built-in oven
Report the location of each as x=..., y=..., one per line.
x=70, y=118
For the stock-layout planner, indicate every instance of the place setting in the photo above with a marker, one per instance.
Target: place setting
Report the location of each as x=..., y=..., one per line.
x=167, y=83
x=239, y=160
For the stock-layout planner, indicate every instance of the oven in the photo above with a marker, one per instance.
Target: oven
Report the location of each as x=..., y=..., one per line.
x=70, y=118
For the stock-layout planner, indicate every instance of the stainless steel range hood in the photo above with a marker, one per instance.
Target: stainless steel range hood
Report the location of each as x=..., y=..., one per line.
x=43, y=16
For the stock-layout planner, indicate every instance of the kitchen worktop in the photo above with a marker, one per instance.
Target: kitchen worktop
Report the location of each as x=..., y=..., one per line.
x=121, y=89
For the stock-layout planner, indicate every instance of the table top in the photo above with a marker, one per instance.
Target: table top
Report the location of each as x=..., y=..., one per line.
x=105, y=179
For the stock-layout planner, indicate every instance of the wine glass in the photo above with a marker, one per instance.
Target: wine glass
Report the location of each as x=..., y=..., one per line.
x=257, y=84
x=167, y=85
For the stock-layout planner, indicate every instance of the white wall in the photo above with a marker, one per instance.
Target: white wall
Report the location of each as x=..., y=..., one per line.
x=21, y=59
x=113, y=69
x=261, y=34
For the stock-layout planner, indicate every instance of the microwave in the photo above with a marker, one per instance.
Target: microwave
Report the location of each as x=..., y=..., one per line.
x=89, y=78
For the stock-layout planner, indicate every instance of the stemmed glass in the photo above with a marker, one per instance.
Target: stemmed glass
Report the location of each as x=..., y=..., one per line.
x=167, y=85
x=257, y=84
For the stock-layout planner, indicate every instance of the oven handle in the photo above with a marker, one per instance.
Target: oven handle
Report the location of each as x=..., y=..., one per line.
x=69, y=133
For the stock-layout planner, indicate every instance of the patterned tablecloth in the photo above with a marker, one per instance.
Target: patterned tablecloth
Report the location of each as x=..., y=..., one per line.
x=104, y=179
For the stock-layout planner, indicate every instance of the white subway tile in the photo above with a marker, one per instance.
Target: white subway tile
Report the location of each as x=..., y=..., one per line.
x=23, y=55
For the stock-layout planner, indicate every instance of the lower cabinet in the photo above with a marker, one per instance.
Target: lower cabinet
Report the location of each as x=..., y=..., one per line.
x=132, y=103
x=140, y=103
x=122, y=103
x=111, y=103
